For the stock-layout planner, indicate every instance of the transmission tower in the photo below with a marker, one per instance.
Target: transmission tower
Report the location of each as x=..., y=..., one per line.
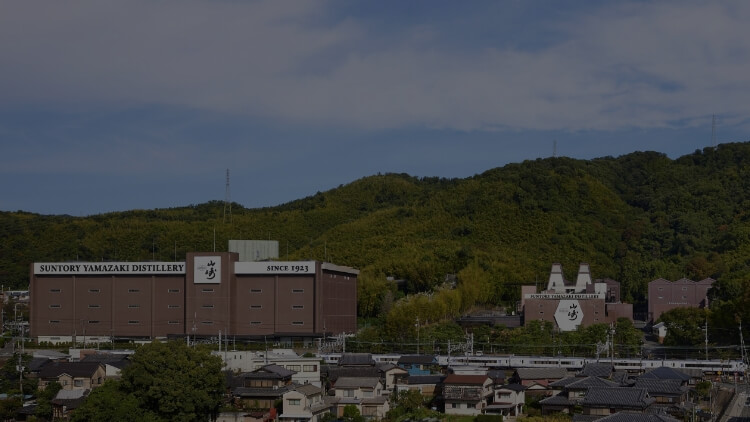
x=227, y=203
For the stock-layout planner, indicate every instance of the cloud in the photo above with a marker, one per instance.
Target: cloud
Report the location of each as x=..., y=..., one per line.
x=618, y=66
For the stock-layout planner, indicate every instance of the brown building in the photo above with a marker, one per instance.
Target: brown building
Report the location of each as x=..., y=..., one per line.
x=209, y=293
x=664, y=295
x=571, y=304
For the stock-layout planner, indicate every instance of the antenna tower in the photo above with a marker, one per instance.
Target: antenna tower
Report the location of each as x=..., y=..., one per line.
x=713, y=131
x=227, y=202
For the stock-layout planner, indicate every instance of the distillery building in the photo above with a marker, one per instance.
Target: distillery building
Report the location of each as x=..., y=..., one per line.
x=569, y=305
x=664, y=295
x=208, y=294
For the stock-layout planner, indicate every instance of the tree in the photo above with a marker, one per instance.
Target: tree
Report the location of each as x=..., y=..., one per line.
x=44, y=400
x=174, y=381
x=351, y=414
x=110, y=403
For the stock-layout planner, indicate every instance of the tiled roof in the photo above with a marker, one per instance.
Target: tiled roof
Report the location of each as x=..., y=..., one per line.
x=557, y=400
x=308, y=389
x=590, y=382
x=603, y=370
x=617, y=397
x=74, y=369
x=425, y=379
x=541, y=373
x=564, y=382
x=335, y=372
x=661, y=386
x=665, y=372
x=260, y=392
x=636, y=417
x=356, y=382
x=358, y=359
x=512, y=387
x=465, y=379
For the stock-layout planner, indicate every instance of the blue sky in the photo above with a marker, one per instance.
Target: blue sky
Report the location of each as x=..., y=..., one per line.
x=112, y=106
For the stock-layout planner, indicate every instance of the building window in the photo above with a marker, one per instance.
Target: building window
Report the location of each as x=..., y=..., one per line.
x=133, y=290
x=54, y=321
x=133, y=322
x=93, y=321
x=293, y=402
x=298, y=323
x=54, y=306
x=54, y=290
x=310, y=368
x=661, y=288
x=207, y=290
x=293, y=367
x=174, y=290
x=254, y=322
x=207, y=322
x=256, y=290
x=207, y=306
x=256, y=306
x=173, y=306
x=94, y=290
x=173, y=322
x=298, y=307
x=298, y=290
x=94, y=306
x=134, y=306
x=684, y=288
x=78, y=383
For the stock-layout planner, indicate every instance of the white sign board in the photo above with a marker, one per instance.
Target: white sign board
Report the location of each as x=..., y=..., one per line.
x=133, y=268
x=568, y=315
x=207, y=270
x=275, y=267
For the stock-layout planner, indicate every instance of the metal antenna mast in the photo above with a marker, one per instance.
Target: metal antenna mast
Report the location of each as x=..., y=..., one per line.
x=713, y=131
x=227, y=202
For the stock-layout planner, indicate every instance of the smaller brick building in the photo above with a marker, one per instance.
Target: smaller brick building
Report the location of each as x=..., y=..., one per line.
x=664, y=295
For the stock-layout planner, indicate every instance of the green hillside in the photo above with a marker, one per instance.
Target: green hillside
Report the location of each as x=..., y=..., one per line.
x=634, y=218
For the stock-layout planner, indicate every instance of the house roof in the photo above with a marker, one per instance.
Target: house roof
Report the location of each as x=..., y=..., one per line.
x=665, y=372
x=335, y=372
x=269, y=372
x=356, y=359
x=37, y=363
x=636, y=417
x=117, y=360
x=455, y=379
x=590, y=382
x=74, y=369
x=603, y=370
x=308, y=389
x=512, y=387
x=260, y=392
x=541, y=373
x=560, y=399
x=425, y=379
x=618, y=397
x=661, y=386
x=356, y=382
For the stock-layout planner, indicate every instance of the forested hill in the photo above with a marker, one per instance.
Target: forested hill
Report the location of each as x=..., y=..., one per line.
x=634, y=218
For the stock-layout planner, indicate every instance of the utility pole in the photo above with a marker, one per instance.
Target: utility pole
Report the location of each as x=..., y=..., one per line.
x=706, y=333
x=417, y=335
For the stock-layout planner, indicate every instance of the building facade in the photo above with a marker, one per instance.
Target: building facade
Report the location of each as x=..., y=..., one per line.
x=664, y=295
x=208, y=294
x=571, y=304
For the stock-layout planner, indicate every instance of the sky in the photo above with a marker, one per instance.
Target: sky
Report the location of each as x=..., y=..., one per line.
x=119, y=105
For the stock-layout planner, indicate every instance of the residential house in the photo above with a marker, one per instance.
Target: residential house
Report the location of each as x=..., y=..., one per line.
x=391, y=375
x=304, y=403
x=260, y=389
x=66, y=401
x=364, y=393
x=466, y=394
x=417, y=364
x=508, y=400
x=429, y=385
x=73, y=375
x=574, y=390
x=307, y=369
x=606, y=401
x=537, y=380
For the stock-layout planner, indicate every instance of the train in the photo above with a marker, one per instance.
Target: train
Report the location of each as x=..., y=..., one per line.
x=712, y=366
